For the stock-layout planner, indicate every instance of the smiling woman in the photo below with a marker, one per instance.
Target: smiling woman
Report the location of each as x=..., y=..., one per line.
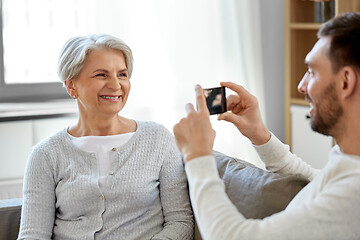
x=114, y=169
x=101, y=87
x=109, y=88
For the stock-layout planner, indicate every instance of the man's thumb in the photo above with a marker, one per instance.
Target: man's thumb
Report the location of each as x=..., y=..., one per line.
x=228, y=116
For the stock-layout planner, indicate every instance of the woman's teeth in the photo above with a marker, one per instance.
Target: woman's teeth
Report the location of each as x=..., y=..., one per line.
x=108, y=97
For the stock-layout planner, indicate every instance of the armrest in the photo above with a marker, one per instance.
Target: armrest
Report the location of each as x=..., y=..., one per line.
x=10, y=212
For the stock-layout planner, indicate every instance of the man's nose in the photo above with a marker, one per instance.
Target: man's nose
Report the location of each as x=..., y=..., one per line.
x=302, y=87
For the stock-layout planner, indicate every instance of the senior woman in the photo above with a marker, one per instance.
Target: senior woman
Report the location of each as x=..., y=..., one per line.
x=107, y=176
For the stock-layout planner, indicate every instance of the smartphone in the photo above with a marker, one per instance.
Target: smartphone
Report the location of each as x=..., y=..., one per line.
x=215, y=100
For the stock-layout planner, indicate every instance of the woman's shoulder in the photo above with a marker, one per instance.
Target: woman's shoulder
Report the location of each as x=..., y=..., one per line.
x=156, y=136
x=150, y=128
x=52, y=141
x=47, y=150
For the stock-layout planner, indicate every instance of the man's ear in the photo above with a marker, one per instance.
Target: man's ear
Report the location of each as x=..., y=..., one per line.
x=349, y=81
x=71, y=88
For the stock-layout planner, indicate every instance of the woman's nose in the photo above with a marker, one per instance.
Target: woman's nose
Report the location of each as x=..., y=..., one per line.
x=302, y=87
x=114, y=83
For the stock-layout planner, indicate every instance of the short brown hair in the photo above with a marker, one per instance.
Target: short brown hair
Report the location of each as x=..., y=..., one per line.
x=344, y=31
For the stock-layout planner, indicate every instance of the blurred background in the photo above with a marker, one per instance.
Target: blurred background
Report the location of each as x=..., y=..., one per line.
x=176, y=44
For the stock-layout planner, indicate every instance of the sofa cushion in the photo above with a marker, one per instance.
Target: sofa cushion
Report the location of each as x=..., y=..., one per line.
x=10, y=211
x=255, y=192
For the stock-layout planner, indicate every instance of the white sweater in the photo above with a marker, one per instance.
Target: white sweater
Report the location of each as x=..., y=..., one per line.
x=327, y=208
x=145, y=196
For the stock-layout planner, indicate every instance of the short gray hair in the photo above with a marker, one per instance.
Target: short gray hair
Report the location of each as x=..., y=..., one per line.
x=76, y=49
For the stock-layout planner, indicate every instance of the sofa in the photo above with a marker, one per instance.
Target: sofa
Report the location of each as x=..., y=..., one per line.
x=10, y=211
x=255, y=192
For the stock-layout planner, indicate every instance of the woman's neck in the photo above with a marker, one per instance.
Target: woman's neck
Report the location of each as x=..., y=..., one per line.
x=102, y=127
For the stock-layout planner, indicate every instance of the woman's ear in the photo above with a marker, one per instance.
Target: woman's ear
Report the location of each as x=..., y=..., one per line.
x=70, y=88
x=349, y=81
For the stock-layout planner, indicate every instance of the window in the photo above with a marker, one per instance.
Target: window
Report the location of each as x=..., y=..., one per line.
x=176, y=44
x=33, y=32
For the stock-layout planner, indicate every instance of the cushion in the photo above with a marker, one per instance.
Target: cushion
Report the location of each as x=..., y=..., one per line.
x=255, y=192
x=10, y=211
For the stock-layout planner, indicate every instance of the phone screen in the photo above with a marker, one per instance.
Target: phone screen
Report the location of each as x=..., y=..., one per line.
x=215, y=100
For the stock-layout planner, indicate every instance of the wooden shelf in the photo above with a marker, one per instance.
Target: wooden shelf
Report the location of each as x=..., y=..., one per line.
x=298, y=101
x=305, y=26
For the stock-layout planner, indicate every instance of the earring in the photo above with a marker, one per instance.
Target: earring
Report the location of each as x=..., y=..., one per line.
x=74, y=97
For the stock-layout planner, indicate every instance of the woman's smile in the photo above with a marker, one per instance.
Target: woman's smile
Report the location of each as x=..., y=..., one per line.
x=111, y=98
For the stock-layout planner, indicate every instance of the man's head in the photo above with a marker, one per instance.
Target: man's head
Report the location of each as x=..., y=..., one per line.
x=335, y=57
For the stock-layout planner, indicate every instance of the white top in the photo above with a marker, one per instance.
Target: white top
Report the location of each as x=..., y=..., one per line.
x=327, y=208
x=101, y=146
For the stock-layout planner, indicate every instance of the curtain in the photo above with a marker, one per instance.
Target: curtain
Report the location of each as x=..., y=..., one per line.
x=177, y=44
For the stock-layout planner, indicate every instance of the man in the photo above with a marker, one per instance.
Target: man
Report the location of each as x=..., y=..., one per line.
x=329, y=206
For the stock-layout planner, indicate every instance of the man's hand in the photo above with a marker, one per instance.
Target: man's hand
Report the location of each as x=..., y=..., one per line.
x=194, y=134
x=245, y=114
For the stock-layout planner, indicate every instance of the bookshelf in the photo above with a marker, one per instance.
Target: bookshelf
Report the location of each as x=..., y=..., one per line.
x=300, y=36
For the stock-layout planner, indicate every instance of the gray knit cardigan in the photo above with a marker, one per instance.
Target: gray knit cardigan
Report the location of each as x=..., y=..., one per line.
x=145, y=196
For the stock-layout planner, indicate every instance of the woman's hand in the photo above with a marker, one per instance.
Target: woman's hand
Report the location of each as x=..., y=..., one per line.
x=194, y=134
x=245, y=114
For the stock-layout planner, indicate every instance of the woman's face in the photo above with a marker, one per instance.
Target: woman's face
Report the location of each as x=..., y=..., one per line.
x=103, y=85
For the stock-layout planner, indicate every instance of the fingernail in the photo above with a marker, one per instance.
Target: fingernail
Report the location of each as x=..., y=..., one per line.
x=197, y=86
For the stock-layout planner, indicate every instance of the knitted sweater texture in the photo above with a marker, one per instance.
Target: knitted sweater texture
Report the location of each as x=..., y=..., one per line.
x=145, y=195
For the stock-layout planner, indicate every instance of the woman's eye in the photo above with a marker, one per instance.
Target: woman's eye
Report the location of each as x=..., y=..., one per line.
x=122, y=75
x=100, y=75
